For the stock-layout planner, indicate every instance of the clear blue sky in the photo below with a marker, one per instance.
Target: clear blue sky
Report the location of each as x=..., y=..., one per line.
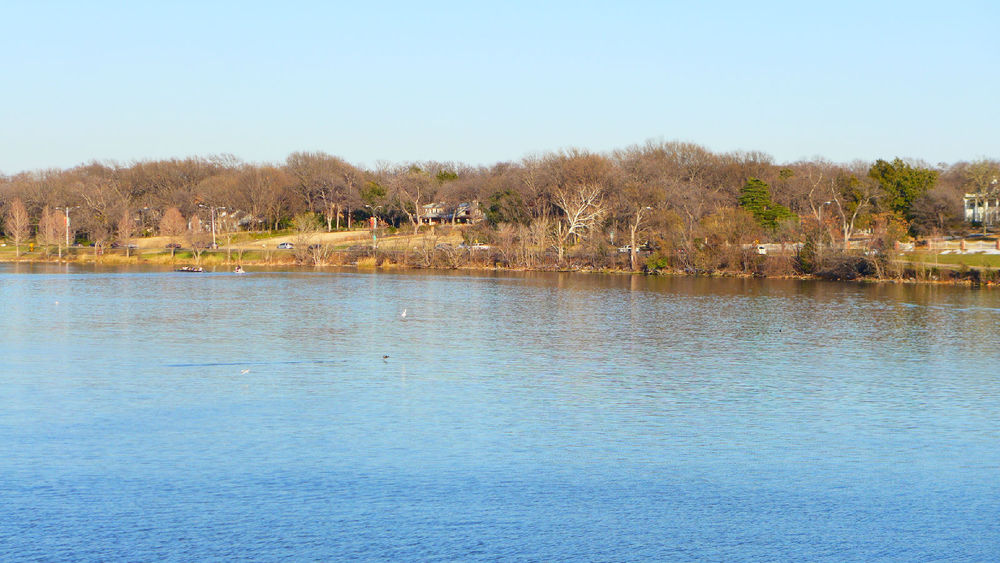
x=401, y=81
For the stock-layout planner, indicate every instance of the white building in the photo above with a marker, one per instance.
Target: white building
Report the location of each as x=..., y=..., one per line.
x=982, y=208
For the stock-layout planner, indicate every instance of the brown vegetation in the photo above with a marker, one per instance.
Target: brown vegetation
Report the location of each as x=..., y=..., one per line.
x=654, y=207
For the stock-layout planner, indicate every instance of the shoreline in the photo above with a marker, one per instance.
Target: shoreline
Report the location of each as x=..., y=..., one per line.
x=214, y=263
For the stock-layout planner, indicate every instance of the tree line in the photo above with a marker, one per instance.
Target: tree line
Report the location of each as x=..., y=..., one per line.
x=689, y=205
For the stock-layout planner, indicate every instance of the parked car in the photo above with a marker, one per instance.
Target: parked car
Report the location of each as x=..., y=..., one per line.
x=644, y=247
x=174, y=245
x=286, y=245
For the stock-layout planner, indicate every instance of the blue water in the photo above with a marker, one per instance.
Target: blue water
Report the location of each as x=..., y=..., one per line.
x=154, y=415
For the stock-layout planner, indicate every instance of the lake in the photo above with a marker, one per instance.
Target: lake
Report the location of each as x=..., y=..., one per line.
x=296, y=415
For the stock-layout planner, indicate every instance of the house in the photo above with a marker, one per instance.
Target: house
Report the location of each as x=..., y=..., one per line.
x=432, y=213
x=983, y=208
x=465, y=212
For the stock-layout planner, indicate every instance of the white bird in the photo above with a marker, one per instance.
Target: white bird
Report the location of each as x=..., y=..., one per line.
x=244, y=372
x=403, y=314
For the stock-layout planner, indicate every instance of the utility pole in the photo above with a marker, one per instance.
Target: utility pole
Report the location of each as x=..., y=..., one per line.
x=67, y=208
x=211, y=213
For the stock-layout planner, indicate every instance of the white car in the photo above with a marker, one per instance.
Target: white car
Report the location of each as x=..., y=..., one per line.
x=475, y=246
x=286, y=245
x=644, y=247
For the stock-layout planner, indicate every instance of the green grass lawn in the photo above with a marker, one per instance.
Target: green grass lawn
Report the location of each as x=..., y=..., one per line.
x=970, y=260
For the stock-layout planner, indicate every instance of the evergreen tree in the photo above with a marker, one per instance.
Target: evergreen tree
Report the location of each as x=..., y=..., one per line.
x=902, y=184
x=755, y=197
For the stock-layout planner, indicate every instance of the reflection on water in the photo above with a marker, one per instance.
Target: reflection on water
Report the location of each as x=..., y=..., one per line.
x=537, y=416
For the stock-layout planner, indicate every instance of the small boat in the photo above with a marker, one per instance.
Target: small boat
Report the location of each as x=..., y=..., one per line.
x=239, y=270
x=191, y=269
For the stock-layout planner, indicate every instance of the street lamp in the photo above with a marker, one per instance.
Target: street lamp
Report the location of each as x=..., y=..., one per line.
x=66, y=209
x=211, y=211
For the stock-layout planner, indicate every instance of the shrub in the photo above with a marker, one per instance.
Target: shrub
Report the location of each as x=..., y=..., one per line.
x=806, y=259
x=656, y=263
x=846, y=267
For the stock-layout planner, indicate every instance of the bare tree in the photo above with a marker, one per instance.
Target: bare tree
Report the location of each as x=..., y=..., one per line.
x=693, y=181
x=506, y=241
x=103, y=199
x=265, y=194
x=173, y=223
x=325, y=183
x=853, y=195
x=412, y=188
x=537, y=239
x=641, y=190
x=50, y=228
x=638, y=218
x=728, y=232
x=125, y=231
x=17, y=224
x=807, y=186
x=936, y=212
x=307, y=248
x=981, y=177
x=197, y=238
x=582, y=207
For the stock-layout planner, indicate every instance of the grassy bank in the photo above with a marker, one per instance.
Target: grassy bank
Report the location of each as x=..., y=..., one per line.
x=423, y=253
x=969, y=260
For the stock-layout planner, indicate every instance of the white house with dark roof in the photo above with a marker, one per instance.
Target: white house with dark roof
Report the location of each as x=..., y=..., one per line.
x=982, y=208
